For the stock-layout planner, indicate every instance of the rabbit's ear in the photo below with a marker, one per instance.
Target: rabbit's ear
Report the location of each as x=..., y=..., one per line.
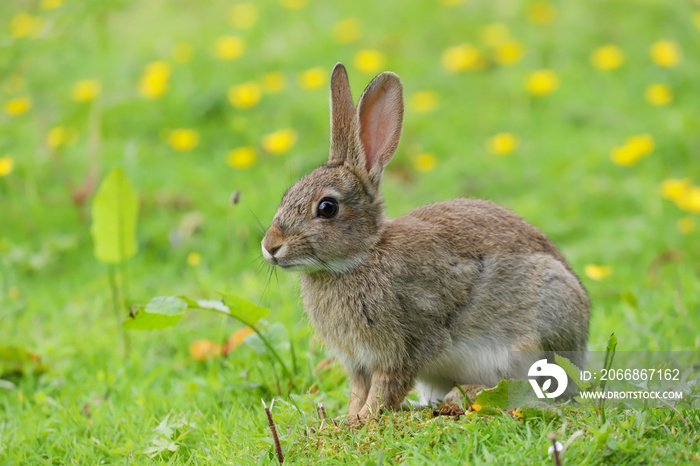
x=379, y=122
x=342, y=115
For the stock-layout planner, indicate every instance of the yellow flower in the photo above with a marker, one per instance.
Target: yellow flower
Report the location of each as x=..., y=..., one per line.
x=686, y=225
x=241, y=158
x=183, y=139
x=674, y=189
x=26, y=25
x=244, y=15
x=423, y=101
x=85, y=90
x=453, y=2
x=509, y=52
x=273, y=82
x=665, y=53
x=7, y=164
x=607, y=57
x=369, y=61
x=425, y=162
x=17, y=106
x=193, y=259
x=634, y=149
x=690, y=201
x=245, y=95
x=155, y=78
x=542, y=82
x=597, y=272
x=312, y=79
x=229, y=48
x=541, y=12
x=494, y=34
x=182, y=53
x=346, y=30
x=696, y=19
x=503, y=143
x=51, y=4
x=294, y=4
x=59, y=136
x=280, y=141
x=659, y=94
x=463, y=57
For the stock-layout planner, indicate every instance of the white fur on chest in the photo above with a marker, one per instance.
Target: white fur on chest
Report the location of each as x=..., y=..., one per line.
x=464, y=362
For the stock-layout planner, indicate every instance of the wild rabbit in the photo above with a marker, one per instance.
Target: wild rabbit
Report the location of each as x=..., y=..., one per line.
x=448, y=293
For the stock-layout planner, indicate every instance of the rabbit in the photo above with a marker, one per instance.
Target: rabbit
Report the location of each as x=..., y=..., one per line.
x=446, y=294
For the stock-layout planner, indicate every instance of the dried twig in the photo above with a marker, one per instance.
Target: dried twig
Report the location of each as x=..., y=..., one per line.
x=553, y=438
x=278, y=447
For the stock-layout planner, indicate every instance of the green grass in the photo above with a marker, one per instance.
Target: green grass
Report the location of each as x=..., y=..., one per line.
x=98, y=402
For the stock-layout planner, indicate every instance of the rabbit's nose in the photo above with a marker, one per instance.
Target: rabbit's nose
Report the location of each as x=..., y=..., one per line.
x=273, y=249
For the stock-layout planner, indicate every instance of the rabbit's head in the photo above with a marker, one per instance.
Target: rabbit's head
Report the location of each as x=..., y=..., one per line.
x=332, y=217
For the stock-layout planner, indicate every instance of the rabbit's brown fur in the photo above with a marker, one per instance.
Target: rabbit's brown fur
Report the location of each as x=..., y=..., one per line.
x=439, y=295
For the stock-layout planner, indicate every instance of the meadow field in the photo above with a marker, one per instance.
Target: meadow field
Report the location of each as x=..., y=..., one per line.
x=582, y=117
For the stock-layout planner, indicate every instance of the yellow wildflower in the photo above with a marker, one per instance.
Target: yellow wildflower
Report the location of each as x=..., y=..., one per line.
x=193, y=259
x=453, y=2
x=503, y=144
x=495, y=34
x=607, y=57
x=229, y=48
x=542, y=82
x=244, y=15
x=155, y=79
x=17, y=106
x=597, y=272
x=183, y=139
x=294, y=4
x=509, y=52
x=659, y=94
x=665, y=53
x=26, y=25
x=686, y=225
x=245, y=95
x=463, y=57
x=312, y=78
x=51, y=4
x=541, y=12
x=274, y=82
x=85, y=90
x=346, y=30
x=59, y=136
x=7, y=164
x=369, y=61
x=241, y=158
x=280, y=141
x=423, y=101
x=690, y=200
x=634, y=149
x=182, y=53
x=425, y=162
x=674, y=189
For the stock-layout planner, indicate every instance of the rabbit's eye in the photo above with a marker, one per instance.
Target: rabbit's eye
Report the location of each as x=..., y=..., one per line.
x=327, y=207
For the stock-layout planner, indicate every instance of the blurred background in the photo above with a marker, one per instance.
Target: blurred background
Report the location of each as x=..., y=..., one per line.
x=583, y=117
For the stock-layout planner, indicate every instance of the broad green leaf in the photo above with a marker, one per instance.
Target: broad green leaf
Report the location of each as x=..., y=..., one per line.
x=572, y=371
x=275, y=334
x=114, y=213
x=159, y=313
x=508, y=394
x=244, y=310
